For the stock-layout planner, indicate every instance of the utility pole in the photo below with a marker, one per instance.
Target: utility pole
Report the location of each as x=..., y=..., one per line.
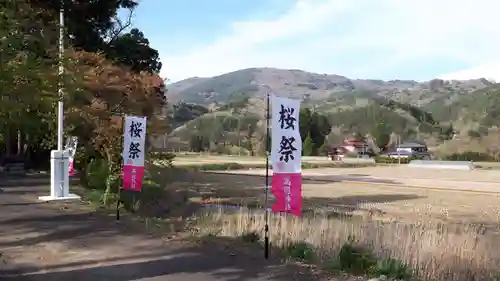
x=399, y=151
x=59, y=161
x=60, y=105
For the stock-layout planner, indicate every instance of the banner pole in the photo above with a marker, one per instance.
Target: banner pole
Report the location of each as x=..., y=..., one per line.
x=119, y=195
x=266, y=227
x=118, y=204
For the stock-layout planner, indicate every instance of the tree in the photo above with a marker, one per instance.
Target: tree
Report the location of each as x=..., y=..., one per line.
x=324, y=149
x=359, y=136
x=132, y=49
x=304, y=122
x=308, y=146
x=94, y=26
x=381, y=134
x=314, y=125
x=250, y=137
x=198, y=143
x=103, y=93
x=319, y=129
x=27, y=79
x=90, y=24
x=474, y=134
x=447, y=133
x=98, y=92
x=184, y=112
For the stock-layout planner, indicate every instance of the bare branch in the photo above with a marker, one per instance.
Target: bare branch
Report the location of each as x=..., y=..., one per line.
x=119, y=25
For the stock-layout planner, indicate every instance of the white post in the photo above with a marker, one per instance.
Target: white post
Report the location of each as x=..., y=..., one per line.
x=399, y=151
x=59, y=160
x=60, y=105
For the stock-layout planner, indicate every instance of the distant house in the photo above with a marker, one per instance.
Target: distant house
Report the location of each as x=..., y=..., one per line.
x=410, y=148
x=356, y=146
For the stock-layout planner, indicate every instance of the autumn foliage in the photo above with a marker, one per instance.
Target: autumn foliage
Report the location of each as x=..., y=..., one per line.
x=108, y=73
x=99, y=93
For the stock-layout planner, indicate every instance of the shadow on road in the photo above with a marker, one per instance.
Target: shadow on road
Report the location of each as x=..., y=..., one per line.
x=80, y=228
x=193, y=263
x=158, y=261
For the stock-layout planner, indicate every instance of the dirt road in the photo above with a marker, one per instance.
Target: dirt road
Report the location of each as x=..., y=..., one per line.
x=69, y=241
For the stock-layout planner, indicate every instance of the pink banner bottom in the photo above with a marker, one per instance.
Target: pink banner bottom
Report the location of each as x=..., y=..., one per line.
x=71, y=169
x=132, y=177
x=287, y=191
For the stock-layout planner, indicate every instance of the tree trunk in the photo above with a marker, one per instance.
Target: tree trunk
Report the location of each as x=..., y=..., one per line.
x=19, y=143
x=26, y=149
x=84, y=180
x=107, y=193
x=8, y=147
x=110, y=176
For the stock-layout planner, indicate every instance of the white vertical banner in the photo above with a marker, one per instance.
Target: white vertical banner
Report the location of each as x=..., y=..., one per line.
x=134, y=145
x=286, y=143
x=286, y=151
x=70, y=147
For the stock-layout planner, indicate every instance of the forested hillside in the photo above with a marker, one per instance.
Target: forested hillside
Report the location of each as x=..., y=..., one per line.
x=432, y=111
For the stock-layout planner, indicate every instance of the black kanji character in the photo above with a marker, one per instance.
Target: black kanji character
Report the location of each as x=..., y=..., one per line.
x=133, y=150
x=287, y=120
x=135, y=129
x=287, y=148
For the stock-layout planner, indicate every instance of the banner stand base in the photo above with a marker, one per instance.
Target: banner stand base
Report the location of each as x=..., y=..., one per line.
x=70, y=196
x=59, y=178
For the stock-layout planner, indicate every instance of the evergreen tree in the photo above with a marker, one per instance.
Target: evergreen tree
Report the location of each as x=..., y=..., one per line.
x=447, y=133
x=382, y=134
x=308, y=146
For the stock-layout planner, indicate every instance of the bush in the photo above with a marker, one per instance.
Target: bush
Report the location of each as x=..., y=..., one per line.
x=351, y=155
x=352, y=258
x=355, y=259
x=250, y=237
x=164, y=159
x=324, y=149
x=300, y=250
x=218, y=166
x=97, y=173
x=470, y=156
x=474, y=134
x=237, y=150
x=391, y=268
x=390, y=160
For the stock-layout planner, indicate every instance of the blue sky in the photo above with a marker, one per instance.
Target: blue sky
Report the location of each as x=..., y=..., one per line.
x=383, y=39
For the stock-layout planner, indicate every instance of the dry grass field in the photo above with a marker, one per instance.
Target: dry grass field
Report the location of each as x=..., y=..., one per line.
x=388, y=202
x=441, y=234
x=183, y=159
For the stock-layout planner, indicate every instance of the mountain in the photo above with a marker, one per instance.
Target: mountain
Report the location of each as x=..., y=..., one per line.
x=176, y=88
x=255, y=82
x=230, y=108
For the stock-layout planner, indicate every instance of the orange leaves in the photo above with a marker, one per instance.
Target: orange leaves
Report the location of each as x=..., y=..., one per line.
x=106, y=93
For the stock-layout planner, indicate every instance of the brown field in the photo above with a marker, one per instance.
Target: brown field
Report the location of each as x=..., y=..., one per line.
x=416, y=194
x=182, y=159
x=443, y=223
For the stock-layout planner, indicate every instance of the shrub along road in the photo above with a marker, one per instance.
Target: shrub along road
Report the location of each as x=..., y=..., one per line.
x=71, y=241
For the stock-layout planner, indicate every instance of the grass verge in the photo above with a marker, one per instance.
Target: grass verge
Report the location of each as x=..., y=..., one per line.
x=239, y=166
x=398, y=251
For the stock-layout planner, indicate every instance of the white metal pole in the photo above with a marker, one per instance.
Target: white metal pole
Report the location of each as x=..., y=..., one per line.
x=60, y=106
x=399, y=151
